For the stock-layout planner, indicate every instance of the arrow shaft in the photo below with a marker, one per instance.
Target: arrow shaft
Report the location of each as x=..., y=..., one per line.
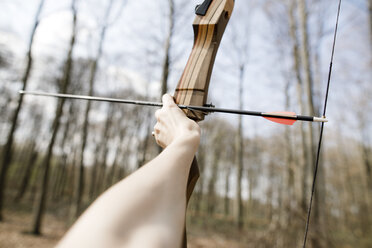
x=91, y=98
x=192, y=108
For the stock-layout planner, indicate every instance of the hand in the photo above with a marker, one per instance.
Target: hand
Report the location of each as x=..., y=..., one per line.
x=173, y=125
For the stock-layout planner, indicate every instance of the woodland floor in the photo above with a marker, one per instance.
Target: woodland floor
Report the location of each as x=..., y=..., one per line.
x=13, y=233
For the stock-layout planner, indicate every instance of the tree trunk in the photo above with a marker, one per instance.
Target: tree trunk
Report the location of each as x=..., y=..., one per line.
x=319, y=194
x=212, y=199
x=166, y=62
x=101, y=156
x=114, y=168
x=296, y=68
x=111, y=175
x=70, y=180
x=366, y=153
x=167, y=48
x=41, y=202
x=59, y=169
x=240, y=148
x=60, y=178
x=370, y=22
x=146, y=140
x=199, y=194
x=227, y=189
x=93, y=181
x=33, y=183
x=289, y=193
x=7, y=151
x=270, y=192
x=106, y=150
x=80, y=183
x=27, y=174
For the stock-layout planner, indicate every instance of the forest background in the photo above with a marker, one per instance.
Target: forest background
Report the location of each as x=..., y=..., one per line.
x=255, y=184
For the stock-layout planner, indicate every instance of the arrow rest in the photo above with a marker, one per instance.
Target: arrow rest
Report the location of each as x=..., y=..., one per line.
x=210, y=105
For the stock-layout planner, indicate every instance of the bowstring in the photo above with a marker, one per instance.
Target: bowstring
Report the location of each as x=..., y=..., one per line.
x=322, y=127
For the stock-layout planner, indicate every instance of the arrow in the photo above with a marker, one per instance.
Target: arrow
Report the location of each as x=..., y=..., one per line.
x=286, y=118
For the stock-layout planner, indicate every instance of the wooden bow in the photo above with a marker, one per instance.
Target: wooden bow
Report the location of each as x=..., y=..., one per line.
x=209, y=25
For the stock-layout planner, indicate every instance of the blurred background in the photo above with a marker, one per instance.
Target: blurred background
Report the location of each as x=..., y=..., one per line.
x=58, y=156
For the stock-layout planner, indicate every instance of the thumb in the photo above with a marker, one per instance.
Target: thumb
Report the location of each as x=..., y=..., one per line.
x=168, y=100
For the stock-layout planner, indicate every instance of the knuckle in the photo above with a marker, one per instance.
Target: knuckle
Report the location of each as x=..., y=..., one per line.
x=156, y=127
x=157, y=114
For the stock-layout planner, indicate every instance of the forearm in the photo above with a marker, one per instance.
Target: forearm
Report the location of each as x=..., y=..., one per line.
x=142, y=204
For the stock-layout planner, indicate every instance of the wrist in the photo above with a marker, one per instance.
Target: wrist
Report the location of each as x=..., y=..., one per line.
x=190, y=138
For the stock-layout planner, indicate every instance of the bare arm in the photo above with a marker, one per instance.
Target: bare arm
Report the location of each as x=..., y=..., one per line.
x=147, y=209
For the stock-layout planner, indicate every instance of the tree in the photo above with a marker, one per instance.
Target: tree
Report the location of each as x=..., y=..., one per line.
x=306, y=164
x=32, y=156
x=7, y=151
x=240, y=48
x=65, y=82
x=167, y=48
x=218, y=147
x=309, y=82
x=370, y=22
x=92, y=78
x=5, y=57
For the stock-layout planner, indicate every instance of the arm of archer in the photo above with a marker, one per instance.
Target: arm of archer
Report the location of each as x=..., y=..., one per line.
x=147, y=209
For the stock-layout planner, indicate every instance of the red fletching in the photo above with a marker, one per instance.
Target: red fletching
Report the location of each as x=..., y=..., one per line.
x=281, y=120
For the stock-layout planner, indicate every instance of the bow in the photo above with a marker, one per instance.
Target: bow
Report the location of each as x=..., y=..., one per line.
x=192, y=89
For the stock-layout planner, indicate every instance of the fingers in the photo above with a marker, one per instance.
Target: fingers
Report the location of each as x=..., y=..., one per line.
x=158, y=114
x=157, y=133
x=172, y=123
x=157, y=128
x=168, y=100
x=169, y=104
